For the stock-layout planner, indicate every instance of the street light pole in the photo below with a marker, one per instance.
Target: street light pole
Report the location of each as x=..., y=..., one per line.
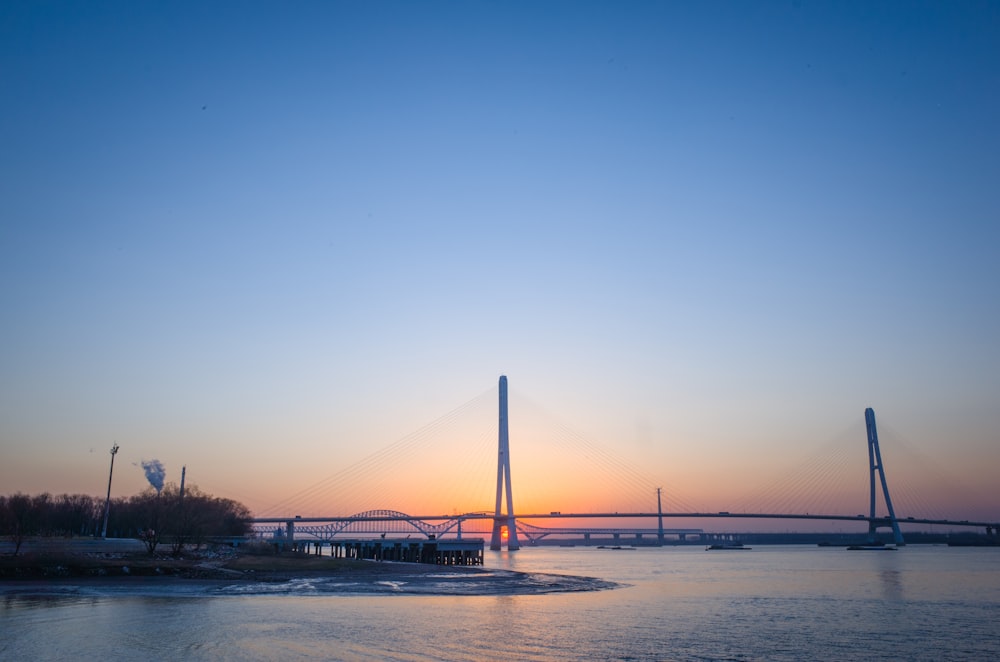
x=107, y=502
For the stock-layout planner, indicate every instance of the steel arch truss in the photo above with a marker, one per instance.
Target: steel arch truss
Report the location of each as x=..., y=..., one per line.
x=369, y=523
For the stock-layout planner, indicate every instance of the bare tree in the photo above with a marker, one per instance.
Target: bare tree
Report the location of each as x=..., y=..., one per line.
x=19, y=519
x=151, y=517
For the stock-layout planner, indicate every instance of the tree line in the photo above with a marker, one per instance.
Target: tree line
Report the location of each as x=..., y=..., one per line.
x=156, y=518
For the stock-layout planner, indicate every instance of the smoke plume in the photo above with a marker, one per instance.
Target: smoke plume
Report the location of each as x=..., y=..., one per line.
x=154, y=473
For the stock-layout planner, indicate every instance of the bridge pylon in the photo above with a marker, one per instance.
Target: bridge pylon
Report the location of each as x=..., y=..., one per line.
x=875, y=464
x=659, y=517
x=503, y=480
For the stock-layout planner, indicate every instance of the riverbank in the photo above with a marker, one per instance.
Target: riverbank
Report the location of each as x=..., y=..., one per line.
x=82, y=559
x=55, y=567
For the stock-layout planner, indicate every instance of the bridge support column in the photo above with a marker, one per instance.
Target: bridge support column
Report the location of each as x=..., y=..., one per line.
x=659, y=516
x=875, y=464
x=503, y=480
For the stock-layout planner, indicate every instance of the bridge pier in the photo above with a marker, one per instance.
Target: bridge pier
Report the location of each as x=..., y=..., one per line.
x=438, y=552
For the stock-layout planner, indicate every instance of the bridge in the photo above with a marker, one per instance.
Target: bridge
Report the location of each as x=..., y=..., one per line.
x=506, y=526
x=379, y=522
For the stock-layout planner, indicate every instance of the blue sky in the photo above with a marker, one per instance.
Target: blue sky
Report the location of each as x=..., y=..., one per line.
x=263, y=239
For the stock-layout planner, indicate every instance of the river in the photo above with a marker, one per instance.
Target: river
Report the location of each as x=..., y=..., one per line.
x=671, y=603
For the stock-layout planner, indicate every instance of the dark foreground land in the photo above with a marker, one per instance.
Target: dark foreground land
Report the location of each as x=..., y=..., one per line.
x=91, y=564
x=88, y=559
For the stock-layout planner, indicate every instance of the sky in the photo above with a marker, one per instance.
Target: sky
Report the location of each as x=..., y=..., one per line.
x=267, y=240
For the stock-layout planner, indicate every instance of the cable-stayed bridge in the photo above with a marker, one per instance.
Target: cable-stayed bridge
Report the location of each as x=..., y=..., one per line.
x=507, y=527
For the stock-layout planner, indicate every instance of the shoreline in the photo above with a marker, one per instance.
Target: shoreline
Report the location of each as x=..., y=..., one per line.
x=231, y=572
x=227, y=566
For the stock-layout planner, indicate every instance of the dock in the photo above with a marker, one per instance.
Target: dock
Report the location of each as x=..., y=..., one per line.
x=465, y=551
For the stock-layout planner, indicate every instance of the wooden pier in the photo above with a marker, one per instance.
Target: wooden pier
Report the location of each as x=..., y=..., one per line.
x=465, y=551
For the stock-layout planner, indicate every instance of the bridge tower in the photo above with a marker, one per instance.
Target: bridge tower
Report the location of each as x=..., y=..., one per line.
x=503, y=480
x=659, y=516
x=875, y=464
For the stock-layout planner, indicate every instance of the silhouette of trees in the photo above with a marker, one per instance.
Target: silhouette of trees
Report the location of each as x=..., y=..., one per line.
x=148, y=516
x=192, y=519
x=22, y=515
x=17, y=517
x=165, y=517
x=76, y=515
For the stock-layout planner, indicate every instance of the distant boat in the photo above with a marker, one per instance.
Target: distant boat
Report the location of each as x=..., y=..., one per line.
x=618, y=547
x=727, y=545
x=879, y=547
x=974, y=542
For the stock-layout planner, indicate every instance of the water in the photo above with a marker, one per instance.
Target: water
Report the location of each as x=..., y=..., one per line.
x=773, y=603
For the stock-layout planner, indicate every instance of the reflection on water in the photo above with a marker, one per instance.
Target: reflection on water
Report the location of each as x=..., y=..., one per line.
x=675, y=603
x=892, y=585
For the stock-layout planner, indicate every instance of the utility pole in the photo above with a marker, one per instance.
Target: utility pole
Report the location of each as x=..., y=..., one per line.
x=107, y=502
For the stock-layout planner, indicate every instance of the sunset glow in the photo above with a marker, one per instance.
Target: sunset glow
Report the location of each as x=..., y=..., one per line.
x=293, y=251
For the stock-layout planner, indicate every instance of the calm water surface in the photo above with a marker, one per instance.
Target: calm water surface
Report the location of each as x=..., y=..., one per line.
x=678, y=603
